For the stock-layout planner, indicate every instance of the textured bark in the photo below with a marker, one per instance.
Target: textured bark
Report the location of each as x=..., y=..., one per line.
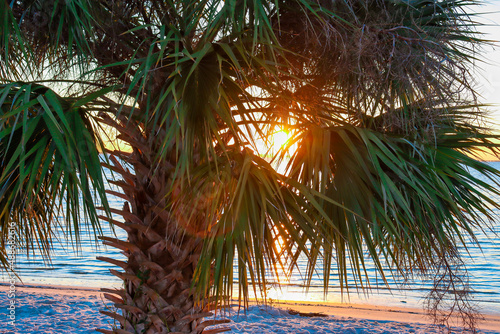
x=161, y=254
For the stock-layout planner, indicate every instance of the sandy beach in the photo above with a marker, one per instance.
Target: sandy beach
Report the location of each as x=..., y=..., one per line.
x=63, y=309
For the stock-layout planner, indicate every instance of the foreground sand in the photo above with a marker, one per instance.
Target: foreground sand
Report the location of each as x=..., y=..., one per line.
x=62, y=309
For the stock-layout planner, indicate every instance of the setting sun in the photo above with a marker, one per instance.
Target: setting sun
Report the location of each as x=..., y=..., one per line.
x=279, y=139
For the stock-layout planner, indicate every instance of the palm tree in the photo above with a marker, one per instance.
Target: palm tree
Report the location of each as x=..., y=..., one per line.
x=376, y=95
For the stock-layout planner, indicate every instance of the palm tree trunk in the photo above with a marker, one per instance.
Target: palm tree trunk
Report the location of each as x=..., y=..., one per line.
x=158, y=294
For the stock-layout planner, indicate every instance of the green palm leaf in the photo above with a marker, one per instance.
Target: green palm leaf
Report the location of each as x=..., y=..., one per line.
x=50, y=166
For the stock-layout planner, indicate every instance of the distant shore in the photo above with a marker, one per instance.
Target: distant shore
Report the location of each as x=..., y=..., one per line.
x=42, y=309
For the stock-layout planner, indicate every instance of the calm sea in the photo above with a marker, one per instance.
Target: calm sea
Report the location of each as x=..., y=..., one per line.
x=79, y=267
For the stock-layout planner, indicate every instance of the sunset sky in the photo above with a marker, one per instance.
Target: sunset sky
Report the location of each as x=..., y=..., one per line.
x=488, y=73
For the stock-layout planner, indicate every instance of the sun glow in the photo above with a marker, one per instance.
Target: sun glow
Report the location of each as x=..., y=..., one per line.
x=276, y=141
x=279, y=139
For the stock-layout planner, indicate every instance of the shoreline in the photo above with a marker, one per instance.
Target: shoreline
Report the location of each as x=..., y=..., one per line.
x=491, y=322
x=380, y=313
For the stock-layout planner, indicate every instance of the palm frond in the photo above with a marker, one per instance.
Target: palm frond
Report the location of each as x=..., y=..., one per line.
x=402, y=200
x=252, y=217
x=51, y=171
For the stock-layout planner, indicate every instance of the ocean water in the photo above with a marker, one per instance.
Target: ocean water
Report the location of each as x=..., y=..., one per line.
x=79, y=267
